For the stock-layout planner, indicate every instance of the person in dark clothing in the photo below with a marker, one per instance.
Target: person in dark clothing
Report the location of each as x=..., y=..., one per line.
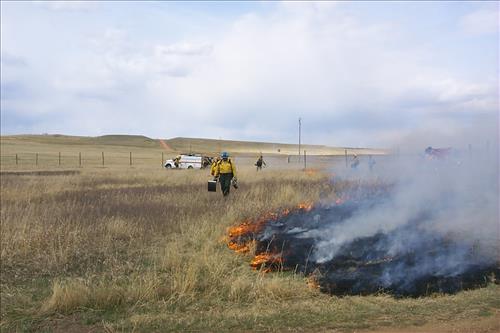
x=225, y=172
x=259, y=163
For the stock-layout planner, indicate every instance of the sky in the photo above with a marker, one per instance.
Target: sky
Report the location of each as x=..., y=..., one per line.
x=358, y=74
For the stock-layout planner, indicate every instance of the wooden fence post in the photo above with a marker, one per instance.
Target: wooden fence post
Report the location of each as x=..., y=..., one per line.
x=130, y=158
x=162, y=159
x=59, y=158
x=17, y=159
x=80, y=159
x=102, y=153
x=346, y=158
x=36, y=159
x=305, y=162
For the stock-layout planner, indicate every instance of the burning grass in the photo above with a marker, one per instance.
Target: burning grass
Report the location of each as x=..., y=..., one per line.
x=128, y=250
x=409, y=259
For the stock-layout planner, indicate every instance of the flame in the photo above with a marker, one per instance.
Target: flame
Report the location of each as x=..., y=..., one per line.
x=241, y=238
x=243, y=228
x=265, y=260
x=305, y=206
x=240, y=248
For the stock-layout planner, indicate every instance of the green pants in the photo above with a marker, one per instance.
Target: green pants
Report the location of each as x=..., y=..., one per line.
x=225, y=182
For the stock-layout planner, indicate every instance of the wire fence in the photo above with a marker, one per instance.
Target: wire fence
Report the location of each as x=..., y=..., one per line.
x=103, y=159
x=80, y=159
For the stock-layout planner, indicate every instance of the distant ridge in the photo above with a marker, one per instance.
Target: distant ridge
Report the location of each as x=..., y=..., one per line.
x=113, y=140
x=254, y=147
x=186, y=145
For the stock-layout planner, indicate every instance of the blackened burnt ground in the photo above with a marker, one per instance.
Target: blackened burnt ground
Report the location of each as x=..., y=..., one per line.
x=408, y=260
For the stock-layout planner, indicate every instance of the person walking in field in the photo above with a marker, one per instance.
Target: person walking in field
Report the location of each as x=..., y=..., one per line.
x=214, y=165
x=259, y=163
x=225, y=172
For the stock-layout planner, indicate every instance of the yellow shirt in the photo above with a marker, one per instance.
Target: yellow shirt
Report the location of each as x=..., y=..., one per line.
x=213, y=168
x=225, y=167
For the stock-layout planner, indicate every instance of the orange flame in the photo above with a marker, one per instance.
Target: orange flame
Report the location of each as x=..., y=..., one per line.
x=265, y=260
x=239, y=248
x=240, y=238
x=305, y=206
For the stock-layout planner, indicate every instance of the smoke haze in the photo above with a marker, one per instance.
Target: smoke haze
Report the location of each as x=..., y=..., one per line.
x=453, y=197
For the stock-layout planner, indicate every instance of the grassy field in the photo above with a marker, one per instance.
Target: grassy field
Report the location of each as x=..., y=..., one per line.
x=142, y=249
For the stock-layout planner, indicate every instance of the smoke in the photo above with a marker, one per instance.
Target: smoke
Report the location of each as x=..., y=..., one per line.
x=436, y=217
x=444, y=210
x=407, y=223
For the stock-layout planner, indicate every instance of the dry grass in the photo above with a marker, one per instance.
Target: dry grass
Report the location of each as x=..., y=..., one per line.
x=143, y=250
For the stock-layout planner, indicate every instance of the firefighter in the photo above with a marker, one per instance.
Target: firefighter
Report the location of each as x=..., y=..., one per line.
x=177, y=161
x=214, y=165
x=259, y=163
x=206, y=161
x=225, y=172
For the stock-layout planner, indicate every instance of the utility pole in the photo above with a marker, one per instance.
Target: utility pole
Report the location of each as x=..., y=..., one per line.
x=300, y=124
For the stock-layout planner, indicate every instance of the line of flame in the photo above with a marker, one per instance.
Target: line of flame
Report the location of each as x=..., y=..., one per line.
x=248, y=228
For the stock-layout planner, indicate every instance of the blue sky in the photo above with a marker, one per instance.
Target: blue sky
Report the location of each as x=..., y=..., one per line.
x=358, y=73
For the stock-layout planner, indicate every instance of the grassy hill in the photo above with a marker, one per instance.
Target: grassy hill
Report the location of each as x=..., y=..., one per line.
x=59, y=139
x=252, y=147
x=242, y=147
x=32, y=143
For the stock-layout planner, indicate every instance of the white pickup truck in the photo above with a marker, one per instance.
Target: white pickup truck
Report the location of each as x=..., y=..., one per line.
x=191, y=161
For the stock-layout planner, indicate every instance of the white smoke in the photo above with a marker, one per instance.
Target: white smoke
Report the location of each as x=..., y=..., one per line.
x=455, y=197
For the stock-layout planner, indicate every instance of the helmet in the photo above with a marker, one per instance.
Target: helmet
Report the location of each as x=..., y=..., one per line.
x=224, y=154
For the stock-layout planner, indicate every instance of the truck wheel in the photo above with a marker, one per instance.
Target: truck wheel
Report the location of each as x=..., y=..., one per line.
x=168, y=166
x=190, y=167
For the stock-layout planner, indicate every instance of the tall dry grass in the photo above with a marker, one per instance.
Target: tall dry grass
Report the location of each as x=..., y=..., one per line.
x=145, y=250
x=105, y=239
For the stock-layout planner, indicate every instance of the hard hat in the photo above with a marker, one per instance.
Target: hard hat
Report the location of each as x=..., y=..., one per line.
x=224, y=154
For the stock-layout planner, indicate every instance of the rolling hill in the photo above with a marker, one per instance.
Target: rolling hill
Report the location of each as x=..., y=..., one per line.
x=30, y=143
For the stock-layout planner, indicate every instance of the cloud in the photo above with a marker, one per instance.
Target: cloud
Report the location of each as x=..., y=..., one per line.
x=183, y=49
x=66, y=5
x=13, y=60
x=481, y=21
x=354, y=82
